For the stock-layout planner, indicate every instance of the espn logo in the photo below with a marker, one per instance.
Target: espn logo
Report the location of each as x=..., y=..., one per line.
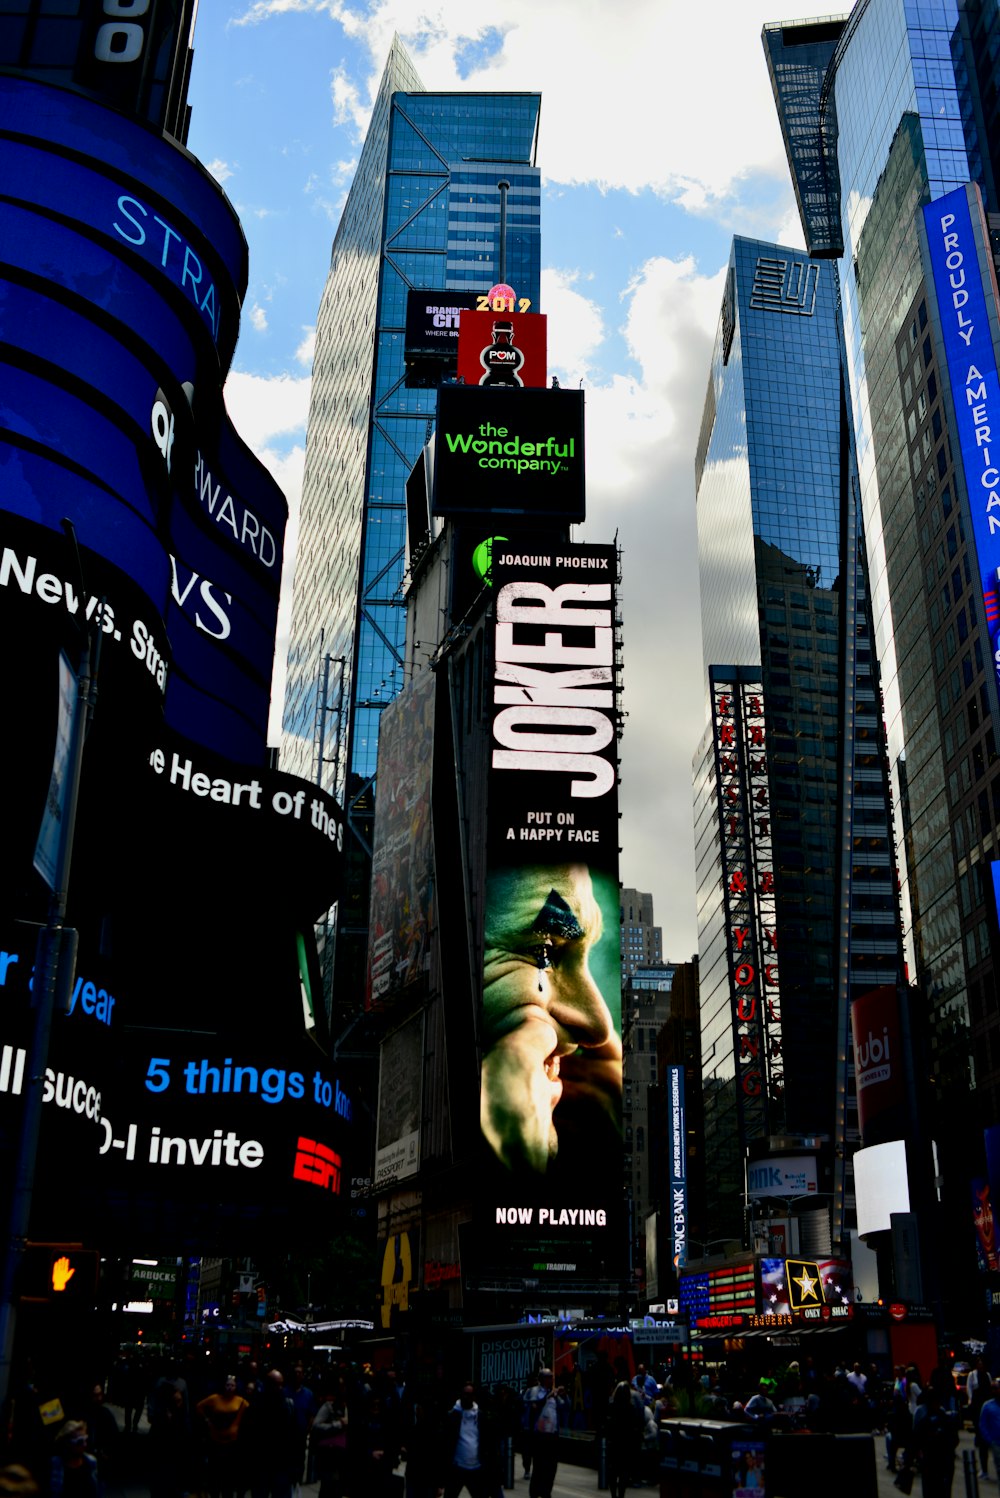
x=318, y=1164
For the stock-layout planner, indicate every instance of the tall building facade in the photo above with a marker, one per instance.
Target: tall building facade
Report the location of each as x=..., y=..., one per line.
x=646, y=1007
x=883, y=115
x=642, y=939
x=797, y=905
x=423, y=212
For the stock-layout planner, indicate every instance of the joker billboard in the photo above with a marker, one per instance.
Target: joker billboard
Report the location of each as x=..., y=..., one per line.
x=551, y=1084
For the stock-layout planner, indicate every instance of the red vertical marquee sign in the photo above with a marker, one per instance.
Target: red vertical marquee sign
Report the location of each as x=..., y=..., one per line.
x=748, y=889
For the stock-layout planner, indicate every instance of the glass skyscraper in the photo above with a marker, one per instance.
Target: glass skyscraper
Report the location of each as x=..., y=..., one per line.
x=797, y=903
x=423, y=212
x=898, y=103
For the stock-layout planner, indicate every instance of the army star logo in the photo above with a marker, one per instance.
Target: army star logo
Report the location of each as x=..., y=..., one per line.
x=806, y=1284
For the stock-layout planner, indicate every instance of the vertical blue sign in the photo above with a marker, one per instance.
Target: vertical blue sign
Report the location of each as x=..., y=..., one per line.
x=972, y=371
x=677, y=1138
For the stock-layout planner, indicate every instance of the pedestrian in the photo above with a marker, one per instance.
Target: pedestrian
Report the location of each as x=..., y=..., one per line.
x=328, y=1442
x=545, y=1436
x=898, y=1422
x=533, y=1400
x=978, y=1389
x=989, y=1425
x=377, y=1455
x=935, y=1437
x=624, y=1434
x=173, y=1466
x=305, y=1406
x=270, y=1451
x=221, y=1414
x=470, y=1449
x=421, y=1448
x=103, y=1434
x=645, y=1383
x=73, y=1473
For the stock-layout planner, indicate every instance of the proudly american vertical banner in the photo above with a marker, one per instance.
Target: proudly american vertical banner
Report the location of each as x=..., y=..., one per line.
x=551, y=1083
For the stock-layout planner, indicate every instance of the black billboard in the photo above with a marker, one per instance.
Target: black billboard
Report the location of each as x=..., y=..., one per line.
x=431, y=339
x=509, y=452
x=432, y=319
x=551, y=1089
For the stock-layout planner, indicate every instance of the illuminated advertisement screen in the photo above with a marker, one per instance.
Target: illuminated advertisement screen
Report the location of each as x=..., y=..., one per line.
x=155, y=1118
x=692, y=1296
x=506, y=349
x=749, y=893
x=110, y=383
x=677, y=1157
x=788, y=1285
x=433, y=318
x=402, y=890
x=551, y=1083
x=961, y=273
x=502, y=451
x=878, y=1065
x=194, y=886
x=984, y=1226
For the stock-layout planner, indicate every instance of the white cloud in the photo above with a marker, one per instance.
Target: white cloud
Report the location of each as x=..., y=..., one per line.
x=641, y=437
x=263, y=409
x=575, y=325
x=669, y=135
x=307, y=348
x=221, y=170
x=258, y=318
x=348, y=105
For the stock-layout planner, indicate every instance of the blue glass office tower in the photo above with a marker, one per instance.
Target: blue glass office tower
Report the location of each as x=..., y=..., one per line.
x=890, y=113
x=423, y=212
x=785, y=628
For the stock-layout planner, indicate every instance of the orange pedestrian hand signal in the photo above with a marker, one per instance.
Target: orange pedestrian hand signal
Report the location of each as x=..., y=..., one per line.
x=62, y=1273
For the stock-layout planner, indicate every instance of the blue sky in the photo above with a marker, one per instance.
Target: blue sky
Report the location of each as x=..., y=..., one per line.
x=658, y=142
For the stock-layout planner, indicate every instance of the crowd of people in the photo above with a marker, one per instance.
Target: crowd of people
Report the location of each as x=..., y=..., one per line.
x=260, y=1432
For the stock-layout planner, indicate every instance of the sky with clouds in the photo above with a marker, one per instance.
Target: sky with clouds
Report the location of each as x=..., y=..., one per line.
x=658, y=142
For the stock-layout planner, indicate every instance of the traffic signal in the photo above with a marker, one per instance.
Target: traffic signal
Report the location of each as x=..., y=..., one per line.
x=59, y=1273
